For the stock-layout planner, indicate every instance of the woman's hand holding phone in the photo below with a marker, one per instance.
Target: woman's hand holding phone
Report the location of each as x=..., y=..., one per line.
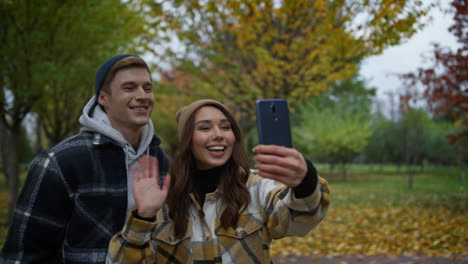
x=282, y=164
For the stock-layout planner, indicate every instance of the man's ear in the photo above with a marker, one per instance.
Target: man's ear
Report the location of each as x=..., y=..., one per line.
x=103, y=98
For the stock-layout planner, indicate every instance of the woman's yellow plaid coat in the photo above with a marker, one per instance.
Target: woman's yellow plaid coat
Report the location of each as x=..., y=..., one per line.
x=274, y=212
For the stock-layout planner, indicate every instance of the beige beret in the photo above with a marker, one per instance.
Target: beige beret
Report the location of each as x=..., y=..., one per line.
x=184, y=113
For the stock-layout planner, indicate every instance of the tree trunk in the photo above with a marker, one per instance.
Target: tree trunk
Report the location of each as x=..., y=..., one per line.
x=3, y=141
x=462, y=175
x=39, y=124
x=410, y=179
x=343, y=172
x=332, y=165
x=10, y=151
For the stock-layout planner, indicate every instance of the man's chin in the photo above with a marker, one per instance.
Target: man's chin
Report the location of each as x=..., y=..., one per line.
x=141, y=123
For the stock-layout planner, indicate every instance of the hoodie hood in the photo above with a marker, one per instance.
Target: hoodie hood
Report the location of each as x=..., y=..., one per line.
x=94, y=119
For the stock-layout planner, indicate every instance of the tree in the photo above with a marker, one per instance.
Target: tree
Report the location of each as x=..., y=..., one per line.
x=446, y=81
x=413, y=139
x=383, y=144
x=26, y=152
x=22, y=69
x=247, y=50
x=438, y=150
x=49, y=53
x=335, y=127
x=71, y=77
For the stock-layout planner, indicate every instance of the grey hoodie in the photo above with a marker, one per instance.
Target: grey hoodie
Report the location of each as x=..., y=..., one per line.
x=94, y=119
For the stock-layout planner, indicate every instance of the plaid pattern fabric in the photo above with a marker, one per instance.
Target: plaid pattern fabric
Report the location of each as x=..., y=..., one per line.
x=273, y=213
x=72, y=203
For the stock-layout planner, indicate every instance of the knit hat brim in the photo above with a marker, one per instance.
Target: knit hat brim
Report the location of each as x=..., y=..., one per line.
x=102, y=72
x=185, y=112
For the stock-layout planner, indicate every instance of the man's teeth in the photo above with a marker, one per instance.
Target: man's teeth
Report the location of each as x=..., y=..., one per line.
x=216, y=148
x=139, y=108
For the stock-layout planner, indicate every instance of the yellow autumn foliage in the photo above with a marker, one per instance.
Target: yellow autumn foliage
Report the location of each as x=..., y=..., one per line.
x=280, y=49
x=410, y=230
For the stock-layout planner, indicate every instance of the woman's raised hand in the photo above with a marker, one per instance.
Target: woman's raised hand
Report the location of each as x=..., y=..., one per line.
x=149, y=196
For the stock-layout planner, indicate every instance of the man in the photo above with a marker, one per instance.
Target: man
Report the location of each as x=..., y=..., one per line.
x=77, y=194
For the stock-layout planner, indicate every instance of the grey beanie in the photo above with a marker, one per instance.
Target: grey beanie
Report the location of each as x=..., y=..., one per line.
x=185, y=112
x=104, y=70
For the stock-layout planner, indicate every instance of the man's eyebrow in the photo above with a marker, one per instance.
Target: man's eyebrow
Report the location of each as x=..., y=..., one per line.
x=127, y=82
x=134, y=83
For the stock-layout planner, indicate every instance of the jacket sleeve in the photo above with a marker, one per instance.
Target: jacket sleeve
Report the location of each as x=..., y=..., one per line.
x=40, y=215
x=133, y=243
x=290, y=215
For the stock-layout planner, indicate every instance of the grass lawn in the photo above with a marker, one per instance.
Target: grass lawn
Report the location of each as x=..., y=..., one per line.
x=392, y=190
x=376, y=214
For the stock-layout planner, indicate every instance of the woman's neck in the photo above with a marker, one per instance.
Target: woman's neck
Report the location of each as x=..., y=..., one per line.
x=206, y=181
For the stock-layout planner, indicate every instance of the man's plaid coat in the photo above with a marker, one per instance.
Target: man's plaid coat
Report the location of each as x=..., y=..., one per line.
x=73, y=201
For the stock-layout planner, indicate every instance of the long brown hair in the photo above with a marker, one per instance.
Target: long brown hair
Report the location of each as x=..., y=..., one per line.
x=234, y=175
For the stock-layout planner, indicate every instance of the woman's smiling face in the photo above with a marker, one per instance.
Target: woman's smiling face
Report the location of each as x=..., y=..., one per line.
x=212, y=139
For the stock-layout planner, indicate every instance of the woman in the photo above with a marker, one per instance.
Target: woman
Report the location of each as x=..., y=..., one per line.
x=216, y=210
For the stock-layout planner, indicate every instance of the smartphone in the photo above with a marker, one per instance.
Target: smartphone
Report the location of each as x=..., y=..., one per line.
x=273, y=122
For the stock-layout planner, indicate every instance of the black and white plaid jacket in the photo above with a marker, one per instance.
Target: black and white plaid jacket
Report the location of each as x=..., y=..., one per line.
x=73, y=201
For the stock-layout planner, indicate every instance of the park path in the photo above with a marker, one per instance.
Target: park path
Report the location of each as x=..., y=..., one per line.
x=359, y=259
